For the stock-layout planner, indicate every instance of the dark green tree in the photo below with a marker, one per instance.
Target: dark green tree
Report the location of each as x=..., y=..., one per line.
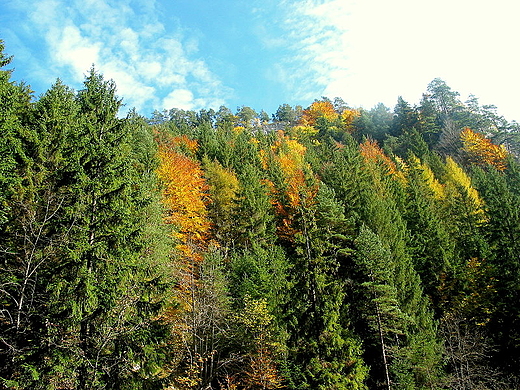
x=323, y=351
x=246, y=116
x=14, y=109
x=285, y=113
x=502, y=204
x=384, y=320
x=92, y=264
x=431, y=247
x=375, y=124
x=254, y=213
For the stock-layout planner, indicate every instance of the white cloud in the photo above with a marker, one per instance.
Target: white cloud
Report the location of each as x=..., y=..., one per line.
x=73, y=50
x=147, y=60
x=374, y=50
x=179, y=98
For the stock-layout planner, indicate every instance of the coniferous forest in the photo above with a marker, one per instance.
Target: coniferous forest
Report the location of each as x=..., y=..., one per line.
x=326, y=247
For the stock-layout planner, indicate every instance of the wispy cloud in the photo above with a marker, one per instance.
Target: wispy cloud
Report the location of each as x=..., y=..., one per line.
x=317, y=51
x=149, y=62
x=365, y=50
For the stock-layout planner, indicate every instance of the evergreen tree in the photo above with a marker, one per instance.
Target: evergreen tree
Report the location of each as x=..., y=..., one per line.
x=431, y=247
x=417, y=361
x=103, y=293
x=382, y=315
x=14, y=109
x=254, y=214
x=323, y=352
x=502, y=203
x=259, y=286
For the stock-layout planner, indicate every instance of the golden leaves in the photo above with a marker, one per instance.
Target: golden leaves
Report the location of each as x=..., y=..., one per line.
x=482, y=151
x=292, y=191
x=184, y=195
x=325, y=109
x=318, y=109
x=438, y=189
x=456, y=175
x=348, y=117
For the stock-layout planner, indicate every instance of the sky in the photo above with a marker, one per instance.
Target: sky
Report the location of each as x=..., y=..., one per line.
x=195, y=54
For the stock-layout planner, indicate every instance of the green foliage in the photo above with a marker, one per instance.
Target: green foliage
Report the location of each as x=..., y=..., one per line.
x=84, y=278
x=14, y=109
x=502, y=232
x=323, y=351
x=431, y=247
x=254, y=216
x=324, y=264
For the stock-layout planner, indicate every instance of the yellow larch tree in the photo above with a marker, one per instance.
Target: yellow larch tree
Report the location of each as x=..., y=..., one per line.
x=482, y=150
x=289, y=157
x=372, y=152
x=437, y=188
x=456, y=177
x=318, y=109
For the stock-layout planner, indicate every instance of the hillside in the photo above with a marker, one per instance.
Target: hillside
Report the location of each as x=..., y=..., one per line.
x=325, y=247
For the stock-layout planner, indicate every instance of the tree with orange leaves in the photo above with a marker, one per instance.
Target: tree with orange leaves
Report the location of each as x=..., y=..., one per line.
x=292, y=189
x=197, y=318
x=482, y=150
x=318, y=109
x=371, y=151
x=184, y=196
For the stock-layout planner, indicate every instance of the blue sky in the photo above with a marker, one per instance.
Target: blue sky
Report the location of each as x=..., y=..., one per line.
x=195, y=54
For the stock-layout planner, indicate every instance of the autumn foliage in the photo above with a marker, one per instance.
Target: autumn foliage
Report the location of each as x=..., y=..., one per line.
x=288, y=155
x=208, y=250
x=482, y=150
x=325, y=109
x=185, y=198
x=371, y=151
x=318, y=109
x=184, y=195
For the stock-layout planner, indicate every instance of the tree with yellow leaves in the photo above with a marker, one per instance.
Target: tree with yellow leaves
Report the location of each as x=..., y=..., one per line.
x=318, y=109
x=184, y=195
x=255, y=323
x=324, y=109
x=481, y=150
x=223, y=188
x=291, y=188
x=200, y=294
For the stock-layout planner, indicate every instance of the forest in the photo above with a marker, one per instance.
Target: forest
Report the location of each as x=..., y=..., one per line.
x=326, y=247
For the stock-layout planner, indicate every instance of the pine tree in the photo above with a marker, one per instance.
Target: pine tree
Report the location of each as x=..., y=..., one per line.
x=383, y=316
x=254, y=213
x=19, y=314
x=431, y=247
x=92, y=274
x=103, y=292
x=502, y=204
x=323, y=351
x=417, y=356
x=14, y=109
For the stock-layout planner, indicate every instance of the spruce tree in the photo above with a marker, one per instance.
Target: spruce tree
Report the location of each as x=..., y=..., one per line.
x=382, y=316
x=431, y=247
x=18, y=258
x=323, y=351
x=105, y=288
x=502, y=203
